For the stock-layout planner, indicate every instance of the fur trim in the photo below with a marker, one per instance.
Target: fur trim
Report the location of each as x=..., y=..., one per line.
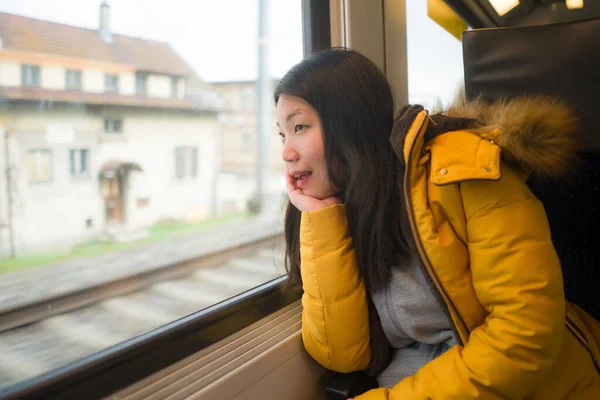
x=536, y=133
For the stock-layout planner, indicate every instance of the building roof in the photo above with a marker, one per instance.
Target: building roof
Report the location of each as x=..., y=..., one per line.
x=248, y=82
x=34, y=35
x=76, y=96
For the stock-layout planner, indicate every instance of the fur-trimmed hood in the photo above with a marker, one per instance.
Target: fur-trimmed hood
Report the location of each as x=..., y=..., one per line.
x=535, y=133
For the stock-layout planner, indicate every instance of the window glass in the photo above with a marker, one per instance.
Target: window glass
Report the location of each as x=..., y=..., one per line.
x=180, y=153
x=113, y=125
x=30, y=75
x=73, y=79
x=39, y=164
x=140, y=83
x=79, y=163
x=125, y=159
x=186, y=162
x=435, y=66
x=174, y=86
x=111, y=83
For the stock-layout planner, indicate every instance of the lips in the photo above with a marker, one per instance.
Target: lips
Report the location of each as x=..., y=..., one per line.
x=301, y=177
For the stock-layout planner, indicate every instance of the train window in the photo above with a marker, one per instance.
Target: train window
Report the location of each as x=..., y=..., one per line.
x=435, y=66
x=151, y=112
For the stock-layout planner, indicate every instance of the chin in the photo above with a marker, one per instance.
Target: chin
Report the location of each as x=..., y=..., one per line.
x=317, y=195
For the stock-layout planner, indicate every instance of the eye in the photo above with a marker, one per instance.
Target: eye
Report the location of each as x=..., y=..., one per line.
x=282, y=136
x=298, y=128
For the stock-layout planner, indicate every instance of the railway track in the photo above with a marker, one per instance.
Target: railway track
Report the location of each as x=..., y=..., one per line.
x=49, y=333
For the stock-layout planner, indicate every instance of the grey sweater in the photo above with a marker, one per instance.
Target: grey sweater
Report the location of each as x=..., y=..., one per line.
x=415, y=324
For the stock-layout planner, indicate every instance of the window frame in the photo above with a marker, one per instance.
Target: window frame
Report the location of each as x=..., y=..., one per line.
x=141, y=83
x=75, y=164
x=119, y=366
x=246, y=141
x=78, y=82
x=103, y=373
x=107, y=87
x=50, y=178
x=36, y=78
x=111, y=121
x=186, y=162
x=174, y=87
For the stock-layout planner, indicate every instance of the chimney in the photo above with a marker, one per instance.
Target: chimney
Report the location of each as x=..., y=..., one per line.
x=104, y=29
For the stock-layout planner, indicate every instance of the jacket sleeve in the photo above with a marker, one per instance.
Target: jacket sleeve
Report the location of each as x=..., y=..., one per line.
x=335, y=321
x=517, y=277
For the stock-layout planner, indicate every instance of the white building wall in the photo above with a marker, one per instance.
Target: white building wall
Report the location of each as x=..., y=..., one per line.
x=127, y=83
x=151, y=142
x=10, y=73
x=92, y=80
x=53, y=77
x=159, y=86
x=52, y=215
x=49, y=216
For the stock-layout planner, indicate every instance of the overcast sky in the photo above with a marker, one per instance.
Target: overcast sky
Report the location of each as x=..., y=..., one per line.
x=218, y=38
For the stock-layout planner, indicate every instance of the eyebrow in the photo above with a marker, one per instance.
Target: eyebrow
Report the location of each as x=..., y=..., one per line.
x=291, y=115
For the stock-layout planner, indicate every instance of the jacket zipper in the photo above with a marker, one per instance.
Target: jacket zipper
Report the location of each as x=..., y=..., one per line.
x=583, y=340
x=424, y=263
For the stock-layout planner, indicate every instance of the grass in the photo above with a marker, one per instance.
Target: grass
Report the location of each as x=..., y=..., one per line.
x=158, y=233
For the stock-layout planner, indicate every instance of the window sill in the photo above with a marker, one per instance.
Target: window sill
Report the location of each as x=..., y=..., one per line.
x=122, y=365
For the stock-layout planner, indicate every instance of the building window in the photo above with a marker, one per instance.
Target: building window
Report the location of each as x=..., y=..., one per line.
x=113, y=125
x=39, y=165
x=246, y=141
x=80, y=163
x=249, y=99
x=111, y=83
x=141, y=79
x=30, y=75
x=186, y=162
x=174, y=86
x=73, y=79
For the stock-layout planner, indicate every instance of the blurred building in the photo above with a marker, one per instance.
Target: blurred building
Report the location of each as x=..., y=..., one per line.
x=100, y=134
x=239, y=124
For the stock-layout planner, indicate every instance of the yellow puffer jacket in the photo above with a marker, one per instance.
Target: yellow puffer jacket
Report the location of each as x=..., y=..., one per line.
x=485, y=243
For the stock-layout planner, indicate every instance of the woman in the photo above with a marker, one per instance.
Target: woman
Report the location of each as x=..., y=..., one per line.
x=425, y=259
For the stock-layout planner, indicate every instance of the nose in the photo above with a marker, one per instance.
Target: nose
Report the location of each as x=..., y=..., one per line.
x=289, y=154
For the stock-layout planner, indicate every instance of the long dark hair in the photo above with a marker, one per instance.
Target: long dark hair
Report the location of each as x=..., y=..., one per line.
x=356, y=107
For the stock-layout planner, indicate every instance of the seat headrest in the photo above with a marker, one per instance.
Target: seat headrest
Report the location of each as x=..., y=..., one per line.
x=559, y=59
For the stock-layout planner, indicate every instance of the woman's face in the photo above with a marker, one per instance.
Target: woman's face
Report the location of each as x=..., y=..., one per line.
x=303, y=149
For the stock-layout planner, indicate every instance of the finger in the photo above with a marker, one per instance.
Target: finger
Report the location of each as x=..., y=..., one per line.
x=289, y=182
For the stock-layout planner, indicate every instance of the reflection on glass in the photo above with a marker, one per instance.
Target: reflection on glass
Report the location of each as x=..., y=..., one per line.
x=143, y=134
x=431, y=84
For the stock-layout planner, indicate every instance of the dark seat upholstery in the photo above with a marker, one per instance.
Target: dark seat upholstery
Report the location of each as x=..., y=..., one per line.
x=561, y=60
